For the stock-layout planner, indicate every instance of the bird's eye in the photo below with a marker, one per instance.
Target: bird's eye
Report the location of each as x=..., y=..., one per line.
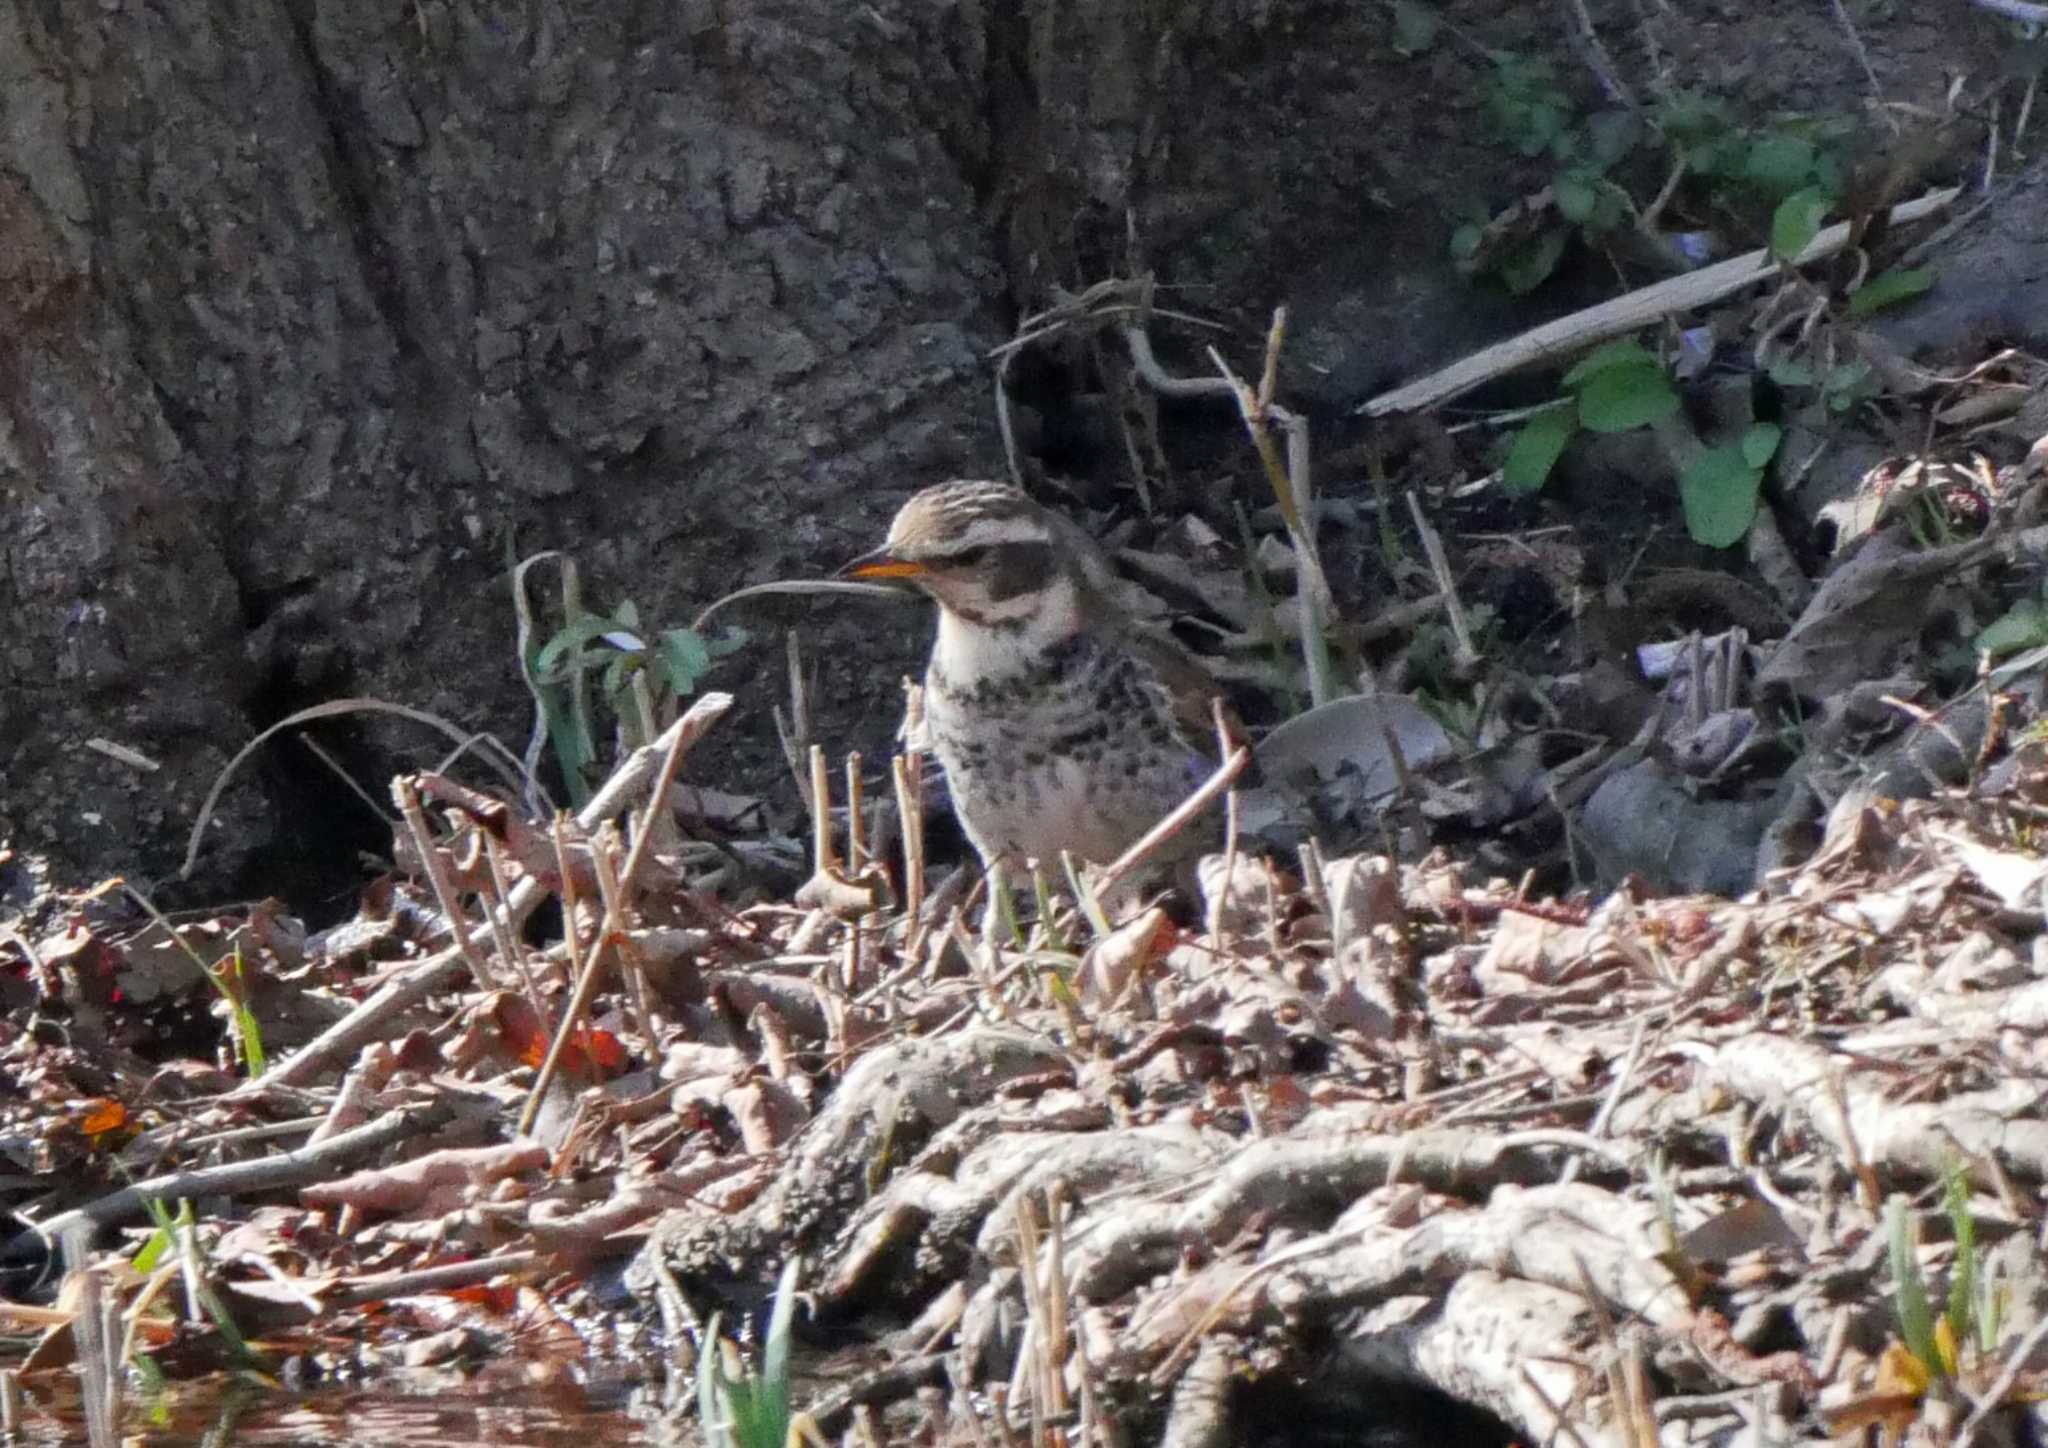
x=970, y=557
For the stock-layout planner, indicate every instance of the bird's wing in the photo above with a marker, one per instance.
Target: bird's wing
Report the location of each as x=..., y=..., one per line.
x=1191, y=690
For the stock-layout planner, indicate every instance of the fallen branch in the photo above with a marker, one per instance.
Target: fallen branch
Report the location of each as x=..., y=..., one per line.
x=1567, y=335
x=295, y=1168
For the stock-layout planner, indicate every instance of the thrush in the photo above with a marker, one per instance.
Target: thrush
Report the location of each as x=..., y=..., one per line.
x=1062, y=723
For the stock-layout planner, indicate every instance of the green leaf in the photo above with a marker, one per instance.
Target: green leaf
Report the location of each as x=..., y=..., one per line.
x=1613, y=134
x=1916, y=1322
x=711, y=1386
x=685, y=656
x=1796, y=222
x=1610, y=208
x=1760, y=443
x=731, y=641
x=1690, y=116
x=1719, y=491
x=1415, y=27
x=1718, y=157
x=1962, y=1283
x=1889, y=288
x=775, y=1355
x=1780, y=163
x=1536, y=449
x=1578, y=193
x=1624, y=353
x=1849, y=384
x=2023, y=626
x=1465, y=241
x=574, y=635
x=1616, y=399
x=617, y=672
x=153, y=1250
x=1529, y=265
x=1790, y=372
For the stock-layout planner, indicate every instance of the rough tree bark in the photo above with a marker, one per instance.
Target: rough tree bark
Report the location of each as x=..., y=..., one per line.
x=310, y=311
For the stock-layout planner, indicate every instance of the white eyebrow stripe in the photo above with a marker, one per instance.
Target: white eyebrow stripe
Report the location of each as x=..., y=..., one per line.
x=986, y=531
x=990, y=532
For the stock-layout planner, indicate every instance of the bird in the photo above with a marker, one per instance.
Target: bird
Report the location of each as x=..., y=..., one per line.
x=1063, y=724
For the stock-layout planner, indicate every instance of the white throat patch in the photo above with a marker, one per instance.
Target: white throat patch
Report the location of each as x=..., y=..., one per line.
x=1025, y=627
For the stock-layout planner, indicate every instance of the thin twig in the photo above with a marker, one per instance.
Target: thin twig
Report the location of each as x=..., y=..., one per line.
x=613, y=888
x=1226, y=774
x=333, y=709
x=1856, y=45
x=1288, y=477
x=1995, y=1396
x=2015, y=10
x=262, y=1174
x=1447, y=586
x=509, y=946
x=406, y=793
x=572, y=938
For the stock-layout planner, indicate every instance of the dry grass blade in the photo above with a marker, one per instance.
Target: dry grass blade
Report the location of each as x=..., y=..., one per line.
x=335, y=709
x=405, y=792
x=841, y=586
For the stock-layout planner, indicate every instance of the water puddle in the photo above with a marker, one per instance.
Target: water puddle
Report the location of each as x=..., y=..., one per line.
x=216, y=1415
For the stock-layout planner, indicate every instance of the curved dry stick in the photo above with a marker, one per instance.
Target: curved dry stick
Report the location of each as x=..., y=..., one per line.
x=2015, y=10
x=329, y=710
x=802, y=585
x=1226, y=774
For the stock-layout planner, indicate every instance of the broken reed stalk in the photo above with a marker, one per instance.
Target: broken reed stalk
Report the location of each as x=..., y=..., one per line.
x=1288, y=477
x=823, y=855
x=795, y=734
x=687, y=731
x=616, y=889
x=1223, y=746
x=910, y=819
x=1447, y=586
x=509, y=945
x=612, y=886
x=856, y=845
x=405, y=792
x=1037, y=1374
x=572, y=939
x=1226, y=775
x=856, y=859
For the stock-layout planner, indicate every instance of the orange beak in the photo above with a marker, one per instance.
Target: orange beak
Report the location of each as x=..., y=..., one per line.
x=879, y=565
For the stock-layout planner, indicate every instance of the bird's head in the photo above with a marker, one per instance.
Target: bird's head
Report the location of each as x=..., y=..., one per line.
x=985, y=553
